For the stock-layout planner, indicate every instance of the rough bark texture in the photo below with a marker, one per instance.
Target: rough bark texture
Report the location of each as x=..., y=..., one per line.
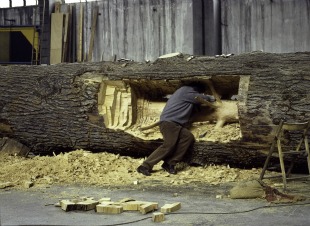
x=55, y=108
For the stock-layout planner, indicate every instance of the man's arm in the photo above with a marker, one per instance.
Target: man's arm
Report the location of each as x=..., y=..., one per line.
x=205, y=101
x=207, y=97
x=190, y=95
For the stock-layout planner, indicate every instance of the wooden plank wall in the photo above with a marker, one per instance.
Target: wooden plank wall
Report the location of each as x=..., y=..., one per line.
x=19, y=16
x=129, y=29
x=278, y=26
x=145, y=30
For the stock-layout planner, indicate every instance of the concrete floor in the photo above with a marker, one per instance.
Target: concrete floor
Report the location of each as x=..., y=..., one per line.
x=199, y=207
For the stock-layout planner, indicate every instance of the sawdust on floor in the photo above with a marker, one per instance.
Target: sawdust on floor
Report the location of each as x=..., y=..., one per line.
x=106, y=169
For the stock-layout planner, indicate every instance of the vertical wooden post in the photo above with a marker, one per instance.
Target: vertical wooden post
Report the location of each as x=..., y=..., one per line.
x=65, y=39
x=74, y=34
x=70, y=35
x=80, y=35
x=57, y=7
x=93, y=31
x=56, y=48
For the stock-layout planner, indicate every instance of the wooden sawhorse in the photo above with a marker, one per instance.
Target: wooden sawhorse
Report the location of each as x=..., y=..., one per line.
x=304, y=128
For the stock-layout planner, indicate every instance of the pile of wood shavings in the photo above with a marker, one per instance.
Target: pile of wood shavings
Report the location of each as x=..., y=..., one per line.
x=105, y=169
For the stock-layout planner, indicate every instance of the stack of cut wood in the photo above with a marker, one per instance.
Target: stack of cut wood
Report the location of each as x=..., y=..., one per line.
x=105, y=205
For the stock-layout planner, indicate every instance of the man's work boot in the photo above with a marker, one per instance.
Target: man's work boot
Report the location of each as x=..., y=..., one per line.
x=169, y=168
x=145, y=171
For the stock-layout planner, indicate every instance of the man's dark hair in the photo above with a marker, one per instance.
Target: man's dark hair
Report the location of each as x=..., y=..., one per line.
x=198, y=86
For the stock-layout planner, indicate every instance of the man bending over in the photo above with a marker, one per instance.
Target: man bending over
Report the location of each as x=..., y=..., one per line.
x=177, y=138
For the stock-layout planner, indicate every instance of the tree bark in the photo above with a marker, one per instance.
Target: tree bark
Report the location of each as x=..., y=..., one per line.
x=55, y=108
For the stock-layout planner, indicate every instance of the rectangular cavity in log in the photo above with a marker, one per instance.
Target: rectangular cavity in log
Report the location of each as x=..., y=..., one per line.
x=132, y=104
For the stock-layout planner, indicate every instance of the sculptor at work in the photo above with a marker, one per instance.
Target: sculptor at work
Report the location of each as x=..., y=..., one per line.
x=177, y=138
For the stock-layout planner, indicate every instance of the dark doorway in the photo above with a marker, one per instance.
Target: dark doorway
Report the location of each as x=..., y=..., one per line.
x=20, y=48
x=16, y=46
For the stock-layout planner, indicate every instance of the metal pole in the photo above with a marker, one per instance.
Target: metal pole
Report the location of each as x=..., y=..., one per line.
x=34, y=33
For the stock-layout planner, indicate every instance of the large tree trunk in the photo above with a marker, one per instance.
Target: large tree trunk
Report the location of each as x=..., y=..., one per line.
x=100, y=106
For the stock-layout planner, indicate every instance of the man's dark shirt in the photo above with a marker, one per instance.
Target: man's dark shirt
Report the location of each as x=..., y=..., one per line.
x=180, y=105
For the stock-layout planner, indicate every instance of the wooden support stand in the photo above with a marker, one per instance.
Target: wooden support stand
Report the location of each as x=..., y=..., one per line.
x=285, y=126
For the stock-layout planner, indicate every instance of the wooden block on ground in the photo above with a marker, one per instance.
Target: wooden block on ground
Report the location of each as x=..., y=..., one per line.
x=117, y=203
x=67, y=205
x=100, y=207
x=88, y=198
x=87, y=205
x=76, y=200
x=113, y=209
x=155, y=205
x=158, y=217
x=126, y=200
x=107, y=203
x=168, y=208
x=132, y=205
x=104, y=200
x=135, y=205
x=146, y=208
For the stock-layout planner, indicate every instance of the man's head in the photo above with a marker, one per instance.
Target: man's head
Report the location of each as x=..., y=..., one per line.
x=198, y=86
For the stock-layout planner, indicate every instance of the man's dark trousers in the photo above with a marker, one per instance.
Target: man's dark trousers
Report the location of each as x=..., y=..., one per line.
x=177, y=140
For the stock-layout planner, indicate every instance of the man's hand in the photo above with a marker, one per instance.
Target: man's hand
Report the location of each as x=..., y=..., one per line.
x=211, y=98
x=207, y=101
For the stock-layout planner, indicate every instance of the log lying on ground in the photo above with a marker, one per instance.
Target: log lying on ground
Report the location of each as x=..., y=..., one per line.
x=101, y=106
